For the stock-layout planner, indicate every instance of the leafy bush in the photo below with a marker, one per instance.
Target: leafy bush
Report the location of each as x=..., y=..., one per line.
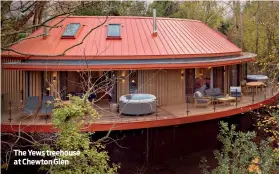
x=240, y=155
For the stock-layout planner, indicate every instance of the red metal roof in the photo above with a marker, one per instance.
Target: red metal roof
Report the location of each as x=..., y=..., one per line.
x=177, y=38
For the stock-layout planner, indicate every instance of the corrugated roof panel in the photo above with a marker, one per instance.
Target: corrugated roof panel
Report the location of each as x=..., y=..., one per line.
x=144, y=38
x=154, y=40
x=130, y=38
x=196, y=43
x=182, y=38
x=201, y=40
x=161, y=44
x=162, y=34
x=148, y=32
x=137, y=38
x=175, y=38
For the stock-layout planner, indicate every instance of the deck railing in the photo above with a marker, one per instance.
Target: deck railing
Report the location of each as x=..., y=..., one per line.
x=12, y=109
x=249, y=97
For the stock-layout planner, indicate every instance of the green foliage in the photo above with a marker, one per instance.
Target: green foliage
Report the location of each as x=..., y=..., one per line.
x=114, y=8
x=163, y=8
x=240, y=155
x=208, y=12
x=21, y=35
x=69, y=119
x=224, y=27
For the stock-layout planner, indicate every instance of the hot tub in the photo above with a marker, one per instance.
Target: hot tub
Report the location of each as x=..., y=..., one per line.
x=137, y=104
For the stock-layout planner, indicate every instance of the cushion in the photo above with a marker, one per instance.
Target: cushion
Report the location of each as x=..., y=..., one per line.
x=236, y=94
x=218, y=96
x=203, y=100
x=198, y=94
x=201, y=89
x=209, y=92
x=217, y=91
x=235, y=89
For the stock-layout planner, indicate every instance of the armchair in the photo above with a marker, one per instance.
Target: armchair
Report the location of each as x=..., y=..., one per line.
x=235, y=91
x=200, y=100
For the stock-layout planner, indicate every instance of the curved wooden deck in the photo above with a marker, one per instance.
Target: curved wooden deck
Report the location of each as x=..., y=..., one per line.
x=166, y=116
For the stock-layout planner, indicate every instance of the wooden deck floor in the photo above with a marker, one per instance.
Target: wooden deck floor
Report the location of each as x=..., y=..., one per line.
x=163, y=112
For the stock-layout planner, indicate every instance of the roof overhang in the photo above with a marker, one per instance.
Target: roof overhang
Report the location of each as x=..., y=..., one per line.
x=97, y=65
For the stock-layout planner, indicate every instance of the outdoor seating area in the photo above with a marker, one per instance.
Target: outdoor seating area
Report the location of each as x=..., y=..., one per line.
x=214, y=95
x=33, y=106
x=161, y=112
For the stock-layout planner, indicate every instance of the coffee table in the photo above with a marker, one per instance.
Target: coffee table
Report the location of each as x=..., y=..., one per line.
x=226, y=100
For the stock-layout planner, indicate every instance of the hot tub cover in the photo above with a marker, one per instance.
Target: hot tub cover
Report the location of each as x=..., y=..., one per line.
x=137, y=98
x=257, y=77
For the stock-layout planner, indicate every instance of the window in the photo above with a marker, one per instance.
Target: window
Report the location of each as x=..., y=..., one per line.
x=71, y=30
x=114, y=30
x=202, y=77
x=133, y=82
x=234, y=80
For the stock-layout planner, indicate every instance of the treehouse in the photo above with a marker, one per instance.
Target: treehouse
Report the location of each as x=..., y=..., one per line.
x=194, y=72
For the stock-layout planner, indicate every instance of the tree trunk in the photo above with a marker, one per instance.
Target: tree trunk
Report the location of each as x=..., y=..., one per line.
x=241, y=28
x=257, y=28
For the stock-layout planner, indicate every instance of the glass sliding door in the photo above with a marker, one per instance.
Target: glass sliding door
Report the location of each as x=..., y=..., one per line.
x=63, y=84
x=133, y=82
x=189, y=84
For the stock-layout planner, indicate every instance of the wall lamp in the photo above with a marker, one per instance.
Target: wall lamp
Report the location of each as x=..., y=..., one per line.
x=123, y=78
x=182, y=74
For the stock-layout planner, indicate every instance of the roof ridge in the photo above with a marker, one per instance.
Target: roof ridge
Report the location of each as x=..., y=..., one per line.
x=134, y=17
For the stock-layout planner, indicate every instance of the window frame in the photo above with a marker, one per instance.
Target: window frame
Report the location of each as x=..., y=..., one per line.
x=71, y=36
x=114, y=37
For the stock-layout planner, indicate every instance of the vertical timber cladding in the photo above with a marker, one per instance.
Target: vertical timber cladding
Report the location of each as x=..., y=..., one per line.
x=167, y=85
x=54, y=84
x=35, y=83
x=13, y=85
x=219, y=78
x=122, y=83
x=226, y=79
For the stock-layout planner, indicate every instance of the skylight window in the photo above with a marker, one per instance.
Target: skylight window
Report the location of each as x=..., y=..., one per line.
x=114, y=30
x=71, y=30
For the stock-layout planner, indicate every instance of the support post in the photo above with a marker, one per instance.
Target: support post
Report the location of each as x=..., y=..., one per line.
x=156, y=108
x=10, y=111
x=187, y=104
x=236, y=98
x=272, y=85
x=253, y=94
x=21, y=91
x=265, y=92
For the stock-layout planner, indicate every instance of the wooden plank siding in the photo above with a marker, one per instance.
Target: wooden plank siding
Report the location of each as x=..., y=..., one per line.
x=35, y=84
x=122, y=84
x=13, y=83
x=219, y=78
x=167, y=85
x=54, y=83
